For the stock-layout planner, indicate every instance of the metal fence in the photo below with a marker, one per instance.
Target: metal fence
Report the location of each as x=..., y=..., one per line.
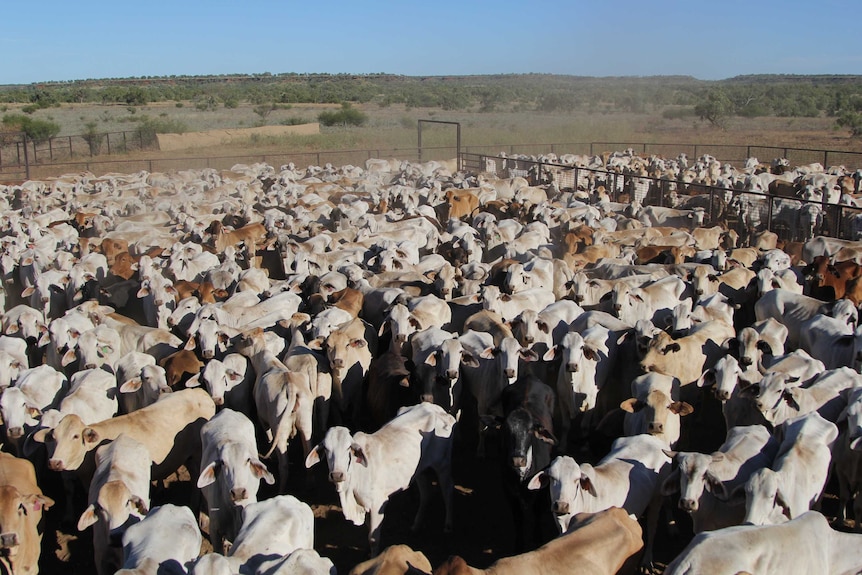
x=103, y=165
x=755, y=211
x=19, y=151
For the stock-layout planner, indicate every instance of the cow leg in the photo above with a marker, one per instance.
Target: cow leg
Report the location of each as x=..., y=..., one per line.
x=423, y=484
x=857, y=511
x=375, y=520
x=844, y=500
x=281, y=455
x=652, y=516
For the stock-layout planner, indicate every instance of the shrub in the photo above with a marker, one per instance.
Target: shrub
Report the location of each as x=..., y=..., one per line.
x=346, y=116
x=148, y=128
x=179, y=104
x=293, y=121
x=38, y=130
x=231, y=103
x=93, y=138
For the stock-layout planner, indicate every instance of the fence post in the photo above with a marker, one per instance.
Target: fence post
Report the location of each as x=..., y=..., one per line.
x=769, y=214
x=71, y=155
x=26, y=158
x=51, y=148
x=108, y=138
x=825, y=158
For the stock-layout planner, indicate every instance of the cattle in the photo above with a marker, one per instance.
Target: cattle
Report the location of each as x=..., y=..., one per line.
x=230, y=472
x=460, y=204
x=394, y=560
x=796, y=478
x=603, y=543
x=804, y=545
x=139, y=380
x=21, y=505
x=706, y=481
x=527, y=436
x=169, y=429
x=349, y=350
x=167, y=537
x=831, y=279
x=283, y=399
x=832, y=341
x=367, y=469
x=654, y=301
x=628, y=477
x=687, y=357
x=119, y=495
x=654, y=408
x=229, y=382
x=779, y=397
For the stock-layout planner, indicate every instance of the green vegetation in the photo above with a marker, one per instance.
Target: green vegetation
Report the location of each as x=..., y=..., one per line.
x=346, y=116
x=36, y=129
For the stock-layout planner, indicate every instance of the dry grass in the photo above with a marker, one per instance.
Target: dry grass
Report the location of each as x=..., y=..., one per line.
x=395, y=127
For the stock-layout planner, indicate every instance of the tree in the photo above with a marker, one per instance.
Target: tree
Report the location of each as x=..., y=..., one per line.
x=716, y=109
x=38, y=130
x=93, y=138
x=346, y=116
x=852, y=121
x=264, y=110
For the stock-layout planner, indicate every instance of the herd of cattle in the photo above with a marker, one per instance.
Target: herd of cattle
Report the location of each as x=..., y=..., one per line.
x=632, y=370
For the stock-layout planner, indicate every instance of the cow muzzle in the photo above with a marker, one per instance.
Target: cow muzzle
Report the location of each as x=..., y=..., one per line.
x=208, y=354
x=336, y=476
x=56, y=465
x=452, y=374
x=238, y=494
x=519, y=461
x=572, y=367
x=745, y=361
x=9, y=542
x=15, y=432
x=655, y=428
x=427, y=398
x=561, y=507
x=688, y=505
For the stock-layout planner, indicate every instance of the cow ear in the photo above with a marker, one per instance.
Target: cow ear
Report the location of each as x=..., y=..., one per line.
x=469, y=360
x=431, y=359
x=528, y=355
x=538, y=481
x=671, y=485
x=631, y=405
x=490, y=421
x=591, y=354
x=716, y=486
x=587, y=485
x=190, y=344
x=622, y=338
x=207, y=476
x=782, y=502
x=315, y=344
x=33, y=411
x=488, y=353
x=681, y=408
x=88, y=517
x=382, y=329
x=90, y=435
x=193, y=381
x=261, y=472
x=550, y=354
x=706, y=379
x=27, y=292
x=139, y=504
x=764, y=347
x=359, y=454
x=544, y=434
x=788, y=396
x=313, y=456
x=131, y=386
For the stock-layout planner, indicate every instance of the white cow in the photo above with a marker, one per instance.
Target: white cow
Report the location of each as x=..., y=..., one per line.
x=795, y=480
x=368, y=468
x=119, y=495
x=799, y=547
x=705, y=481
x=168, y=536
x=230, y=472
x=654, y=408
x=271, y=529
x=628, y=477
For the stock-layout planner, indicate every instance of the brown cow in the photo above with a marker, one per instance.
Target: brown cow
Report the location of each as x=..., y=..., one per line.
x=601, y=543
x=180, y=366
x=251, y=236
x=395, y=560
x=21, y=505
x=834, y=277
x=460, y=203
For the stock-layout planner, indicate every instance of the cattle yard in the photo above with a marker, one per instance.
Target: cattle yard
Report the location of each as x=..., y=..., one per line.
x=260, y=360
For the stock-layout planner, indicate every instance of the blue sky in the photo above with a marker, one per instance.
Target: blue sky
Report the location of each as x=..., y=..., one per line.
x=66, y=40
